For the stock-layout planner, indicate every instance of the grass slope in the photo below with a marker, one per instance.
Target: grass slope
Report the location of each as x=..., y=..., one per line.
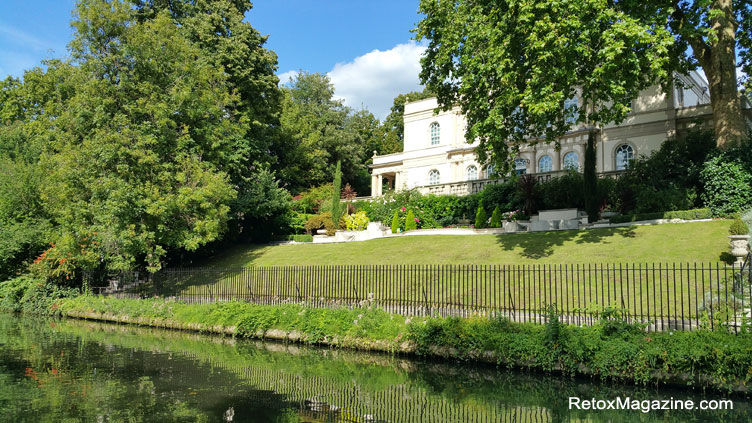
x=681, y=242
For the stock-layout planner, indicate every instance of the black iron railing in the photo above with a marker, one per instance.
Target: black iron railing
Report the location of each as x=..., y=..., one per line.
x=662, y=296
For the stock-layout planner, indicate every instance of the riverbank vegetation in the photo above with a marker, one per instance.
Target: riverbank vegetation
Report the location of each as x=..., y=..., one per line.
x=610, y=350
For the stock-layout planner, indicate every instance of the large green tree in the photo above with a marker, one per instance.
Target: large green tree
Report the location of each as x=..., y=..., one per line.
x=142, y=152
x=318, y=130
x=228, y=41
x=511, y=65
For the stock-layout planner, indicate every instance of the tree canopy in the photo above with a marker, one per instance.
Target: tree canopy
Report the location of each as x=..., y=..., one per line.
x=513, y=66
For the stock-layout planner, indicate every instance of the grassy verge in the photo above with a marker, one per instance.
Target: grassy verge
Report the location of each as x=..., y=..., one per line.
x=611, y=350
x=680, y=242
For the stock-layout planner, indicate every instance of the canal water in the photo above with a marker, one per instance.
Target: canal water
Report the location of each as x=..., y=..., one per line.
x=55, y=370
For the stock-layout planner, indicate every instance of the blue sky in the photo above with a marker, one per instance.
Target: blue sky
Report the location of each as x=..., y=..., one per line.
x=363, y=45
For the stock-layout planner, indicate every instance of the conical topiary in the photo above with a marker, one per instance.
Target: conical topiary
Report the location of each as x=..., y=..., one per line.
x=496, y=218
x=480, y=218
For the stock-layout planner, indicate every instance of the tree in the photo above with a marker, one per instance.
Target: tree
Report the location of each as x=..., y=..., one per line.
x=336, y=196
x=590, y=180
x=511, y=65
x=229, y=42
x=319, y=131
x=143, y=150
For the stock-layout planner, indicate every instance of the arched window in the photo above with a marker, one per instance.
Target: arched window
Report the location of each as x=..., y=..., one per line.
x=435, y=134
x=571, y=161
x=471, y=173
x=570, y=110
x=490, y=171
x=624, y=156
x=545, y=164
x=434, y=177
x=520, y=166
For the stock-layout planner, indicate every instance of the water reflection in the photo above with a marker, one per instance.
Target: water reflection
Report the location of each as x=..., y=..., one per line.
x=53, y=370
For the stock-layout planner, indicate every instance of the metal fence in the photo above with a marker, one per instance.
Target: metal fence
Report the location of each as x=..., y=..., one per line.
x=663, y=296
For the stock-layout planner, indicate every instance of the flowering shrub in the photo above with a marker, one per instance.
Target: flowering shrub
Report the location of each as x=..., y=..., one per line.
x=356, y=221
x=514, y=215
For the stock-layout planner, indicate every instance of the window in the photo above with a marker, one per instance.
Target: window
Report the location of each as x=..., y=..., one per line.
x=545, y=164
x=434, y=177
x=570, y=110
x=435, y=134
x=472, y=173
x=624, y=156
x=520, y=166
x=571, y=161
x=490, y=171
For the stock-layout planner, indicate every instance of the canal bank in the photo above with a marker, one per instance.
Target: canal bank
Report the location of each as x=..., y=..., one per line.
x=612, y=350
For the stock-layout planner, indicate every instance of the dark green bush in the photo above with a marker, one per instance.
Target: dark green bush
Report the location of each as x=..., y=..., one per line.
x=562, y=192
x=480, y=218
x=727, y=181
x=693, y=214
x=31, y=294
x=496, y=219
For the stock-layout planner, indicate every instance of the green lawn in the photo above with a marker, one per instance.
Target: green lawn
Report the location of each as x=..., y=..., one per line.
x=524, y=272
x=680, y=242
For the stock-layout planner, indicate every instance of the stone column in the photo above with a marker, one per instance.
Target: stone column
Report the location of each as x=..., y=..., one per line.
x=557, y=160
x=379, y=185
x=397, y=181
x=374, y=186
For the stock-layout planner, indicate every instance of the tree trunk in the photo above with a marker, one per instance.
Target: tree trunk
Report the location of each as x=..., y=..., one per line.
x=719, y=64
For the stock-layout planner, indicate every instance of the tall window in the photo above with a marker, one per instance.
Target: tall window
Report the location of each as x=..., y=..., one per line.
x=571, y=161
x=624, y=156
x=472, y=173
x=570, y=110
x=490, y=171
x=520, y=166
x=434, y=177
x=435, y=134
x=545, y=164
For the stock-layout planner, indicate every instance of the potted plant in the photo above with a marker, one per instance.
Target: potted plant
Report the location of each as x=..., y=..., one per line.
x=739, y=239
x=511, y=221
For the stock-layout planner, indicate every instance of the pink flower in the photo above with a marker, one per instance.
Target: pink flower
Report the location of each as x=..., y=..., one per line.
x=403, y=209
x=417, y=220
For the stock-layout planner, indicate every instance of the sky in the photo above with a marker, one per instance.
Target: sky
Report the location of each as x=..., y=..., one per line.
x=364, y=46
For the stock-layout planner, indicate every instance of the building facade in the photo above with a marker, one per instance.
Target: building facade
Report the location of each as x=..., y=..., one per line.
x=437, y=159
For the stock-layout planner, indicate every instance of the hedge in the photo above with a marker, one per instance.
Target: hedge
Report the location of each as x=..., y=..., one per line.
x=693, y=214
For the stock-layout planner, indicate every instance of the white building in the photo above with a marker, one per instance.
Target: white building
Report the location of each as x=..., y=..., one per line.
x=437, y=159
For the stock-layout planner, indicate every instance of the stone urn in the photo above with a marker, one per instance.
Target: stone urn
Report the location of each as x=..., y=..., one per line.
x=511, y=226
x=739, y=247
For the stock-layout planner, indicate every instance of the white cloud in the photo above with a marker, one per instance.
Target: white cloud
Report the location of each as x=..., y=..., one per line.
x=285, y=77
x=374, y=79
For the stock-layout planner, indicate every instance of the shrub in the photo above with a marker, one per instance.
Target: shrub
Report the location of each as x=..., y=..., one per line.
x=395, y=222
x=411, y=222
x=496, y=218
x=314, y=200
x=480, y=218
x=356, y=221
x=561, y=192
x=738, y=227
x=321, y=221
x=727, y=182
